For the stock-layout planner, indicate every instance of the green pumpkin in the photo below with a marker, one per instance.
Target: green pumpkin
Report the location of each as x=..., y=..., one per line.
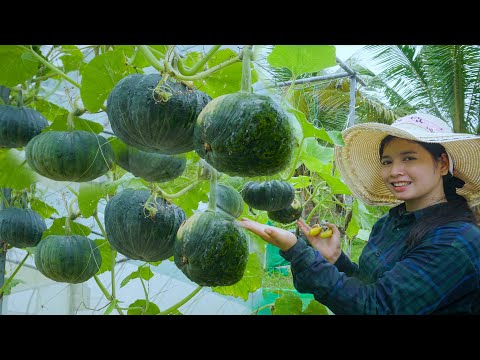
x=268, y=195
x=133, y=232
x=140, y=118
x=68, y=258
x=243, y=134
x=287, y=215
x=21, y=227
x=18, y=125
x=69, y=155
x=229, y=200
x=211, y=250
x=151, y=166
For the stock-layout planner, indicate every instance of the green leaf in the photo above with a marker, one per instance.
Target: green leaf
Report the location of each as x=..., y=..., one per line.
x=18, y=65
x=107, y=253
x=226, y=80
x=335, y=184
x=309, y=130
x=89, y=195
x=43, y=209
x=250, y=282
x=315, y=308
x=143, y=272
x=288, y=304
x=301, y=182
x=361, y=219
x=363, y=234
x=100, y=76
x=58, y=118
x=14, y=171
x=150, y=309
x=190, y=200
x=58, y=228
x=301, y=59
x=316, y=157
x=72, y=58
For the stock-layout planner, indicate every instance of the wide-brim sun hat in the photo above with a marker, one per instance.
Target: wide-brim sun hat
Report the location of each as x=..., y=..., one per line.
x=359, y=161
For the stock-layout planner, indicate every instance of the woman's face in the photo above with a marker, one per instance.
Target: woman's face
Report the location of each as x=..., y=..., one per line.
x=412, y=175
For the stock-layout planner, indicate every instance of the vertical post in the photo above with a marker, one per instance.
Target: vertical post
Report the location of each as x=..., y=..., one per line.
x=348, y=199
x=3, y=253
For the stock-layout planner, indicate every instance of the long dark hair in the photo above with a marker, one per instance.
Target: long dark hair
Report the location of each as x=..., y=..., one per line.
x=455, y=209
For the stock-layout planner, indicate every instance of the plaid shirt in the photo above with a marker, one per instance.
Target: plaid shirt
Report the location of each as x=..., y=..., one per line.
x=440, y=275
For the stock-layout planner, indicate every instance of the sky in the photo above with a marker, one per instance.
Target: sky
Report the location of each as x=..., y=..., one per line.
x=345, y=51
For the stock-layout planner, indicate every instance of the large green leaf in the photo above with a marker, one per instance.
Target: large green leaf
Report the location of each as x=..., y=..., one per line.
x=58, y=117
x=14, y=171
x=72, y=58
x=315, y=308
x=107, y=253
x=309, y=130
x=361, y=219
x=89, y=195
x=100, y=76
x=226, y=80
x=143, y=272
x=250, y=282
x=18, y=65
x=58, y=228
x=336, y=185
x=316, y=157
x=150, y=309
x=301, y=59
x=43, y=209
x=287, y=304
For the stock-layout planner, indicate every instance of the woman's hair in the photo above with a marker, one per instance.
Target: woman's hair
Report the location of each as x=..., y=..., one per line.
x=456, y=208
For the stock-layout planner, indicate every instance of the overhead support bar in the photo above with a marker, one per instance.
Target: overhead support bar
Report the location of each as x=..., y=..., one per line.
x=350, y=71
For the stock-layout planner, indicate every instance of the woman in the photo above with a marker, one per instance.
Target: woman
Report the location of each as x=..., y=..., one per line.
x=423, y=256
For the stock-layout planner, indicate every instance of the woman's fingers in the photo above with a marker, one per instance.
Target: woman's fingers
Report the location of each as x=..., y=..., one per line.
x=255, y=227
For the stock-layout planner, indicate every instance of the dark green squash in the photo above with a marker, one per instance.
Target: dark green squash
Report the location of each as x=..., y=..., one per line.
x=229, y=200
x=141, y=119
x=243, y=134
x=211, y=250
x=70, y=259
x=21, y=227
x=133, y=232
x=268, y=195
x=69, y=155
x=18, y=125
x=151, y=166
x=289, y=214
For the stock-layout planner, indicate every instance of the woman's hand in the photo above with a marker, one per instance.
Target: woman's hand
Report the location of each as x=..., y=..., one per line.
x=280, y=238
x=328, y=247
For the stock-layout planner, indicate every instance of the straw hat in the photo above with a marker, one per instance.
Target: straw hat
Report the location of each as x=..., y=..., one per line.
x=359, y=163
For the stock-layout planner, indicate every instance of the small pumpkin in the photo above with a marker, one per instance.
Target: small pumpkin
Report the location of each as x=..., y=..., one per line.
x=268, y=195
x=151, y=122
x=69, y=155
x=211, y=250
x=67, y=258
x=229, y=200
x=134, y=232
x=151, y=166
x=21, y=227
x=244, y=134
x=18, y=125
x=287, y=215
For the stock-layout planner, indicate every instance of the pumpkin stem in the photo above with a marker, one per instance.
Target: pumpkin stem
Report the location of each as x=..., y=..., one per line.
x=19, y=98
x=246, y=70
x=5, y=285
x=195, y=68
x=212, y=201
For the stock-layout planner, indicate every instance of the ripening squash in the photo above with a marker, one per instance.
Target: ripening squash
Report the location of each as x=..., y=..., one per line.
x=211, y=250
x=21, y=227
x=287, y=215
x=134, y=232
x=229, y=200
x=268, y=195
x=151, y=166
x=18, y=125
x=244, y=134
x=151, y=122
x=69, y=155
x=67, y=258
